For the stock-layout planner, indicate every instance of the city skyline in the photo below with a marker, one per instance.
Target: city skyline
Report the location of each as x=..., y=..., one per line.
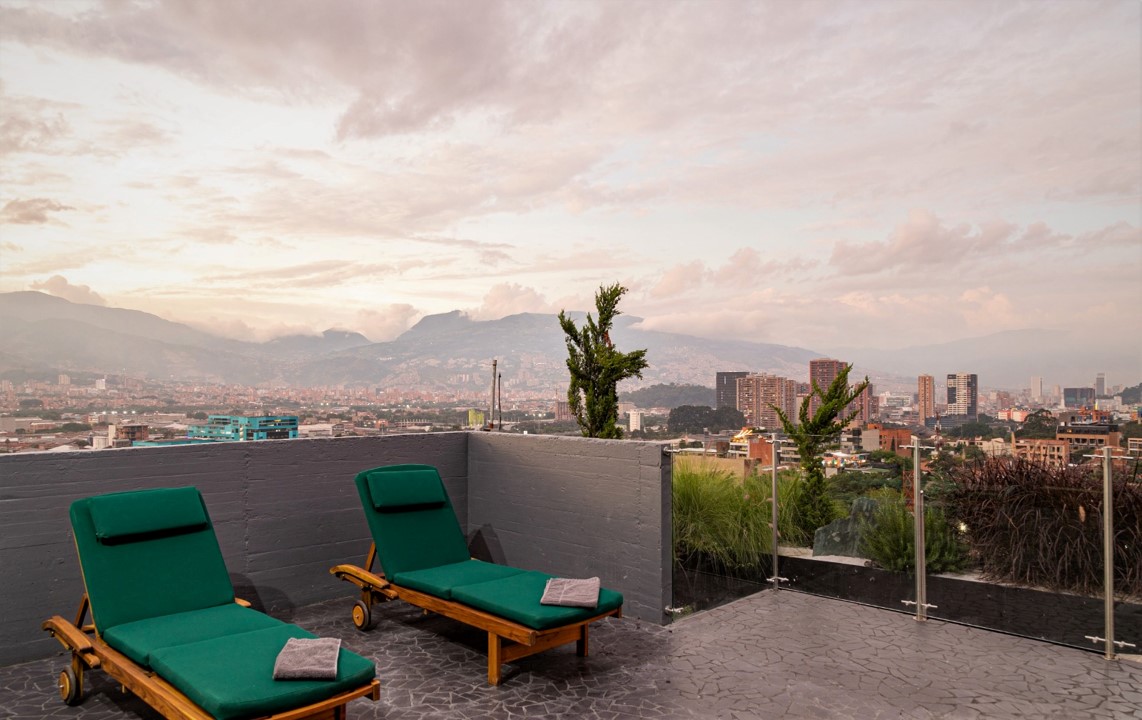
x=820, y=175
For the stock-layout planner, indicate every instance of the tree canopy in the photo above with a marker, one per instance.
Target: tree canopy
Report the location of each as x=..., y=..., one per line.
x=813, y=508
x=596, y=367
x=669, y=396
x=702, y=418
x=1039, y=424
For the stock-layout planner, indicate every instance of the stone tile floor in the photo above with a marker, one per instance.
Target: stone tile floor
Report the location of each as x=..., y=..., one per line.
x=771, y=655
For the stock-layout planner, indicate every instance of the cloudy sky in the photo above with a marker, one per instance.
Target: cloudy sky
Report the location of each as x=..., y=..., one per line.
x=817, y=174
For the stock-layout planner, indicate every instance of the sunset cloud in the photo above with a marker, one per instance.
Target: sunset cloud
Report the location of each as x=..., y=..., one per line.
x=823, y=173
x=32, y=211
x=59, y=286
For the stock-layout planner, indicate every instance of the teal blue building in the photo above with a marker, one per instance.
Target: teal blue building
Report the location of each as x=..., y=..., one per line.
x=240, y=427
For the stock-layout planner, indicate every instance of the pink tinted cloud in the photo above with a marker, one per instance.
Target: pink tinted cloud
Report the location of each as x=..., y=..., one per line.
x=33, y=211
x=508, y=298
x=386, y=322
x=59, y=286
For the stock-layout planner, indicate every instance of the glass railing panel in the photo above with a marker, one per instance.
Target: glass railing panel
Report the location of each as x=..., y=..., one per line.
x=1009, y=545
x=1126, y=477
x=873, y=521
x=1034, y=531
x=722, y=532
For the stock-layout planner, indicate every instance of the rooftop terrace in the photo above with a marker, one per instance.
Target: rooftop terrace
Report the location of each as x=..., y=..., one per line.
x=774, y=654
x=286, y=511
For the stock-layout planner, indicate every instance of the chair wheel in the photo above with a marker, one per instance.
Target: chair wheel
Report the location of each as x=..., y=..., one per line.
x=70, y=687
x=363, y=616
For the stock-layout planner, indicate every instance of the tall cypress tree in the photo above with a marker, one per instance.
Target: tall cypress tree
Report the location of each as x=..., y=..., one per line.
x=596, y=367
x=813, y=508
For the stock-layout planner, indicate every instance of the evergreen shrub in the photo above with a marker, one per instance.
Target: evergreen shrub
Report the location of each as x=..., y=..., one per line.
x=889, y=538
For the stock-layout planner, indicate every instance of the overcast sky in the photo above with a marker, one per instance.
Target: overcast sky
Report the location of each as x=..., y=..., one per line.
x=815, y=174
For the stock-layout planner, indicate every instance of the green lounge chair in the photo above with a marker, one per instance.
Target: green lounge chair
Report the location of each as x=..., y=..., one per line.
x=425, y=559
x=166, y=625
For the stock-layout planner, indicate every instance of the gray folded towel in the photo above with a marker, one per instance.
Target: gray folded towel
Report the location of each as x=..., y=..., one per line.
x=308, y=659
x=571, y=592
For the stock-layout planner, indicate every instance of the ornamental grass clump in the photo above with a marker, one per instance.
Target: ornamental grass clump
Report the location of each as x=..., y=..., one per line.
x=720, y=522
x=1035, y=524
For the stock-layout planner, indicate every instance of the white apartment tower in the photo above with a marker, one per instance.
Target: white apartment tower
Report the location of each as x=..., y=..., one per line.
x=963, y=394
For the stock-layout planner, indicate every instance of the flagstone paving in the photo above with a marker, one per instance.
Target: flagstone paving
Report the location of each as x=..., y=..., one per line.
x=771, y=655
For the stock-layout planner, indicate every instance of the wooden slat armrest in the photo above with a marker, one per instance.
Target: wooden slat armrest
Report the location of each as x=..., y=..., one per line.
x=72, y=638
x=241, y=601
x=350, y=572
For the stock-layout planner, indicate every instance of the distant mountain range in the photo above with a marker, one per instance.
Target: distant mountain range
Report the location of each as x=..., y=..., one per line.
x=451, y=352
x=446, y=352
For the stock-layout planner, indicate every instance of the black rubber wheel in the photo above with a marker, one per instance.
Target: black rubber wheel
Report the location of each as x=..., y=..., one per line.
x=70, y=687
x=363, y=616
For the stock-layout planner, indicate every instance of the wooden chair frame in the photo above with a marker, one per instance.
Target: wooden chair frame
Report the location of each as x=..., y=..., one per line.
x=89, y=651
x=507, y=640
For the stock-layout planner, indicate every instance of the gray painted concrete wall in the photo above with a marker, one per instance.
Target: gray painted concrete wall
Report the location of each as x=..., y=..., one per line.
x=575, y=507
x=286, y=511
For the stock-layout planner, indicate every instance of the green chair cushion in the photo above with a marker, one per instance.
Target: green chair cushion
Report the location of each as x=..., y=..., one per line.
x=159, y=573
x=137, y=640
x=413, y=487
x=127, y=516
x=517, y=598
x=416, y=536
x=439, y=581
x=232, y=677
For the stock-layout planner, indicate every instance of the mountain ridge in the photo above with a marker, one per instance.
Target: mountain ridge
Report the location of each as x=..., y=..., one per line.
x=452, y=352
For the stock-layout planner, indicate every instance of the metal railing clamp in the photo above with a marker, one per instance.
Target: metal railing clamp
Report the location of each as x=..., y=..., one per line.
x=1120, y=643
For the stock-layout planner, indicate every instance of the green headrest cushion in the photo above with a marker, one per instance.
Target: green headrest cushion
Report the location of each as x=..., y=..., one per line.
x=129, y=516
x=403, y=489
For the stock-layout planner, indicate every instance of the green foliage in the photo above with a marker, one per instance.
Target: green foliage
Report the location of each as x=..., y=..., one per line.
x=979, y=428
x=718, y=520
x=74, y=427
x=699, y=418
x=1130, y=430
x=889, y=539
x=812, y=435
x=1040, y=525
x=596, y=367
x=848, y=485
x=1132, y=395
x=1039, y=424
x=669, y=396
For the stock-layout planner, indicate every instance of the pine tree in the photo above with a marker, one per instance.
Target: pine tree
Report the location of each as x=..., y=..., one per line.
x=596, y=367
x=812, y=508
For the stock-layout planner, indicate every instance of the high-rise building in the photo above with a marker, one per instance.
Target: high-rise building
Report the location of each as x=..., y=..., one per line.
x=963, y=394
x=1099, y=385
x=726, y=389
x=925, y=398
x=635, y=420
x=757, y=394
x=241, y=427
x=1078, y=397
x=822, y=372
x=563, y=411
x=1036, y=387
x=866, y=405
